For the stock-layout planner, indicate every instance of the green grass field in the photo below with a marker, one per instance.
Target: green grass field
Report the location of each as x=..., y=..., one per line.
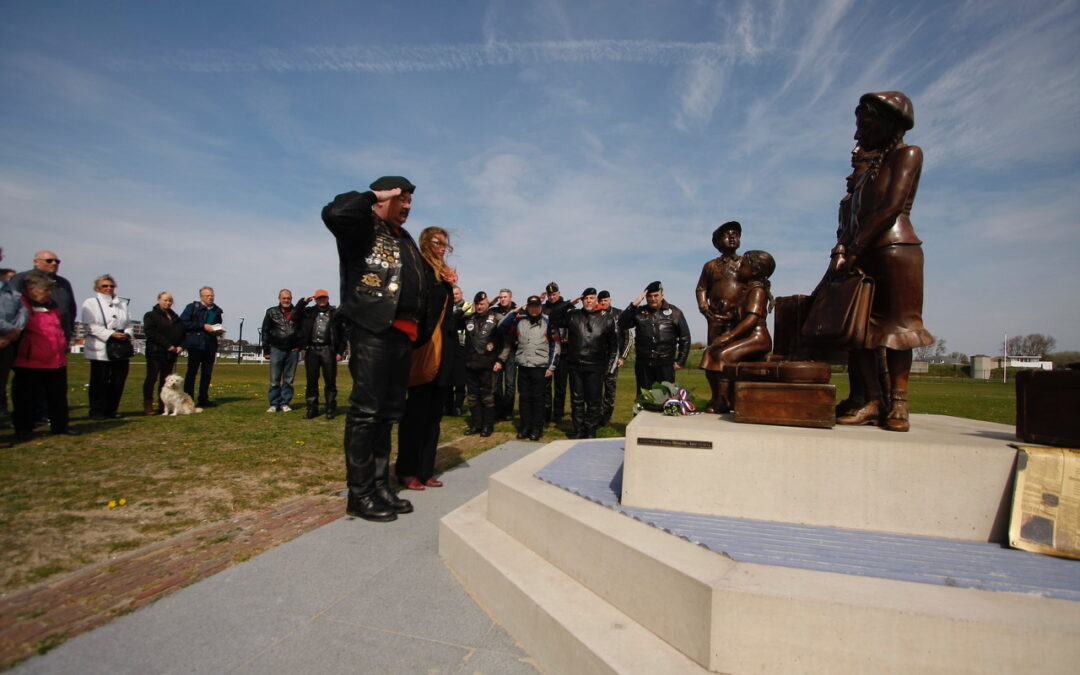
x=177, y=473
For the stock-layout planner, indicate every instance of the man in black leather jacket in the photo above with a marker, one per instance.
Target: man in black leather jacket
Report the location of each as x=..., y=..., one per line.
x=555, y=392
x=591, y=350
x=661, y=336
x=281, y=346
x=383, y=289
x=323, y=341
x=611, y=378
x=484, y=357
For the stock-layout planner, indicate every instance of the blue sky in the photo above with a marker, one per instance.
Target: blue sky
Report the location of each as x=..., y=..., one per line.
x=593, y=143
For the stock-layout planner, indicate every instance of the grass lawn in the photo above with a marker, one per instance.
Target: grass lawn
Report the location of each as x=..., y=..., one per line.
x=176, y=473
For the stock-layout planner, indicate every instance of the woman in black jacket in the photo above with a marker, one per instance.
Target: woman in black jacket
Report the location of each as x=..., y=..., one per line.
x=164, y=342
x=431, y=376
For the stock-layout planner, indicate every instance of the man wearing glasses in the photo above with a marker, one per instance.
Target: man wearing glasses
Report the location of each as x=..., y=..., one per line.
x=202, y=319
x=383, y=292
x=49, y=263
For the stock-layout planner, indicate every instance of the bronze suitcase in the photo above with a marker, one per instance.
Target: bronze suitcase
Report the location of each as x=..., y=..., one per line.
x=789, y=312
x=787, y=404
x=800, y=372
x=1048, y=407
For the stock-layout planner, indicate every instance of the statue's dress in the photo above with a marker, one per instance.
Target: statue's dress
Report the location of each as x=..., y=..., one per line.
x=895, y=262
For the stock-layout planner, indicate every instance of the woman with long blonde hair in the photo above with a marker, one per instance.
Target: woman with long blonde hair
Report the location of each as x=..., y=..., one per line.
x=431, y=375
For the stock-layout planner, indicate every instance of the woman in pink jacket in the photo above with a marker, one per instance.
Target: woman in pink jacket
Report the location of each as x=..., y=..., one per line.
x=40, y=364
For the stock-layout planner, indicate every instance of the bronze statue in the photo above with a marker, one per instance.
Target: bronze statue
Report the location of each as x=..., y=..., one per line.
x=746, y=334
x=876, y=236
x=719, y=291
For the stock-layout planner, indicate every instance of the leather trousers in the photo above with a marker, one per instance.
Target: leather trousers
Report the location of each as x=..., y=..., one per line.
x=379, y=364
x=321, y=361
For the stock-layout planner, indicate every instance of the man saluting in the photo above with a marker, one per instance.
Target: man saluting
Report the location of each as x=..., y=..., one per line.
x=382, y=305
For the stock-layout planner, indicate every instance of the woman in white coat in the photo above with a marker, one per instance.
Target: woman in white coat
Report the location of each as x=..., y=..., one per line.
x=105, y=316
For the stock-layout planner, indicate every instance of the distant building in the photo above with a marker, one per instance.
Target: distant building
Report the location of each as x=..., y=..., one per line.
x=981, y=364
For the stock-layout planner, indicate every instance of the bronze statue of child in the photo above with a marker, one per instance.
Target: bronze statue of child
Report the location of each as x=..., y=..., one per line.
x=718, y=289
x=749, y=337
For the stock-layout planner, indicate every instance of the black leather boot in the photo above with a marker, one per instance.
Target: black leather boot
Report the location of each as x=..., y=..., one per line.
x=489, y=422
x=370, y=508
x=476, y=423
x=387, y=497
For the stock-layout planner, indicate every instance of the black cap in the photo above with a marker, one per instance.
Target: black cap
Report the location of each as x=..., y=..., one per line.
x=391, y=182
x=552, y=287
x=588, y=291
x=730, y=225
x=533, y=300
x=654, y=287
x=480, y=295
x=603, y=294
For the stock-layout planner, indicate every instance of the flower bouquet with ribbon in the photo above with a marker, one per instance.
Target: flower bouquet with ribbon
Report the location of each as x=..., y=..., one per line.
x=667, y=398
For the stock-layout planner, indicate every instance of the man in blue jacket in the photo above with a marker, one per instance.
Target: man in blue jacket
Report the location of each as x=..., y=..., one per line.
x=202, y=319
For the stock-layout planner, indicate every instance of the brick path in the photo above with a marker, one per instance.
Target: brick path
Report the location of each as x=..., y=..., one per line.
x=39, y=618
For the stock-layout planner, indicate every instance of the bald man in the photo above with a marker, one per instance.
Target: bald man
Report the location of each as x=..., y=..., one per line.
x=49, y=263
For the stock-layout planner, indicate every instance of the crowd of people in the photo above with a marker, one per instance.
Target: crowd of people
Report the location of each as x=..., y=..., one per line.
x=416, y=349
x=37, y=323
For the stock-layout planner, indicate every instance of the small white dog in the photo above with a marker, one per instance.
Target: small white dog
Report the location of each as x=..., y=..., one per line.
x=173, y=398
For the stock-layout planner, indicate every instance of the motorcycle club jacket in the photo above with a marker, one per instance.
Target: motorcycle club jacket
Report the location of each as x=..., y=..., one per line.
x=382, y=275
x=280, y=327
x=592, y=341
x=320, y=328
x=660, y=334
x=483, y=342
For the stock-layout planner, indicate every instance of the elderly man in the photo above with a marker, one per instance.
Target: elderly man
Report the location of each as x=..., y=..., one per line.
x=592, y=346
x=611, y=378
x=661, y=336
x=281, y=346
x=383, y=291
x=505, y=379
x=324, y=341
x=555, y=390
x=202, y=319
x=62, y=295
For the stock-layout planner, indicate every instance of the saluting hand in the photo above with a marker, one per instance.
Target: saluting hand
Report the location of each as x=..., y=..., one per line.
x=383, y=195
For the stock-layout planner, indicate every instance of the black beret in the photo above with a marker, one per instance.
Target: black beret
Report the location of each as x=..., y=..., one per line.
x=588, y=291
x=654, y=287
x=391, y=182
x=553, y=287
x=534, y=300
x=603, y=294
x=480, y=295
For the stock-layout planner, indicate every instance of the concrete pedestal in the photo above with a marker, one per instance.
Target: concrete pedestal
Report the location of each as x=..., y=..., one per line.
x=586, y=589
x=947, y=477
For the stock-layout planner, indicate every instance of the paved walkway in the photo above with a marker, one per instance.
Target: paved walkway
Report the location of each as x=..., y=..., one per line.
x=348, y=597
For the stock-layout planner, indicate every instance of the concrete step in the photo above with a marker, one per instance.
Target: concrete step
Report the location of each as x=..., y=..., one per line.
x=729, y=616
x=565, y=627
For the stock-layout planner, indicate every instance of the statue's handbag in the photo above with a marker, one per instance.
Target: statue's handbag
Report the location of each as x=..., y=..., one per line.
x=840, y=311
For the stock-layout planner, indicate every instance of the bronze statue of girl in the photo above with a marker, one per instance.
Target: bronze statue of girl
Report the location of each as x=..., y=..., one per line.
x=880, y=240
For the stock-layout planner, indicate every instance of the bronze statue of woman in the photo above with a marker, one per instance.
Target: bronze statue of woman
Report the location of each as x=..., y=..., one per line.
x=880, y=240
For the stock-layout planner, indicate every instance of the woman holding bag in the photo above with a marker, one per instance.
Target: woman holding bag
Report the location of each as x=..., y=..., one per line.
x=431, y=376
x=881, y=241
x=106, y=318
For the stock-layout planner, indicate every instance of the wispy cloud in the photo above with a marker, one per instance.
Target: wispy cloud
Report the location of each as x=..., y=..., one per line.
x=1009, y=99
x=390, y=60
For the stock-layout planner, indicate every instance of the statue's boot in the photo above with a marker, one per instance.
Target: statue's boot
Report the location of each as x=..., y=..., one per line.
x=848, y=406
x=897, y=419
x=718, y=402
x=868, y=414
